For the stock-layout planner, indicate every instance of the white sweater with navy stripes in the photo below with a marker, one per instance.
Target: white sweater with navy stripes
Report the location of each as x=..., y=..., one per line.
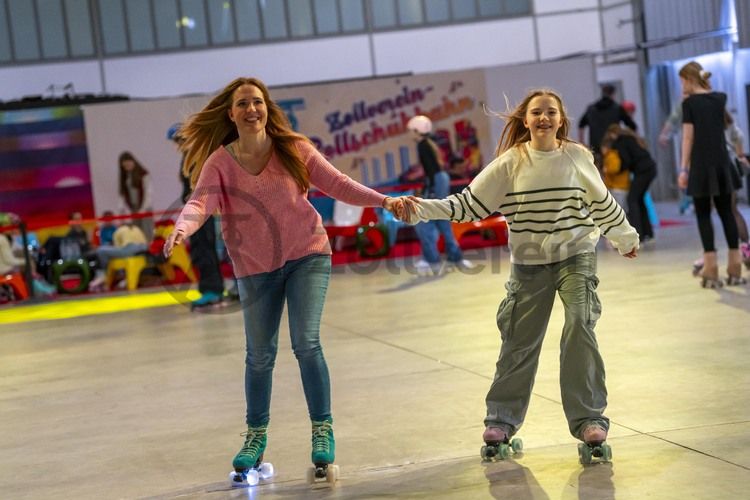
x=555, y=203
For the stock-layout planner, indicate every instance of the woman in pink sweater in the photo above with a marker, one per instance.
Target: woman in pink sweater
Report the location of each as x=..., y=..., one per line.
x=246, y=162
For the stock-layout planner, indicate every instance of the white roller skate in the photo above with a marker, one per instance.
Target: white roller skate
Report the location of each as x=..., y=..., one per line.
x=249, y=467
x=594, y=447
x=497, y=445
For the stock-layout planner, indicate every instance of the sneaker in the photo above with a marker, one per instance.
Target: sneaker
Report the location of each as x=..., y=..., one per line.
x=97, y=284
x=323, y=443
x=41, y=287
x=424, y=268
x=465, y=264
x=593, y=434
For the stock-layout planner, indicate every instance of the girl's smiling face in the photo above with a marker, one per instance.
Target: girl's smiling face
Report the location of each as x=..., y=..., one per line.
x=543, y=119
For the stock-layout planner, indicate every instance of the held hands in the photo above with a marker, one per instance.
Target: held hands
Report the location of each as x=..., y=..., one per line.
x=403, y=207
x=175, y=238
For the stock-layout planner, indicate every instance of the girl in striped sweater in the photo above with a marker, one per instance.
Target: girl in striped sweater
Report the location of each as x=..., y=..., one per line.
x=557, y=207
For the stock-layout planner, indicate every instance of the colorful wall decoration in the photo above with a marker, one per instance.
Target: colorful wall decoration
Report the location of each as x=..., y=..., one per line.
x=44, y=165
x=361, y=126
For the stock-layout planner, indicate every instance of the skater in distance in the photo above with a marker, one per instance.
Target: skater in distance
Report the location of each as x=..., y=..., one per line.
x=557, y=207
x=707, y=172
x=247, y=163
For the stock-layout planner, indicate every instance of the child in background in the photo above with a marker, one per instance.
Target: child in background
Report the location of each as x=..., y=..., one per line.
x=637, y=161
x=616, y=178
x=107, y=229
x=557, y=206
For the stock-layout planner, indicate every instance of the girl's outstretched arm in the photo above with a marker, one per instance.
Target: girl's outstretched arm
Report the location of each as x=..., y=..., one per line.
x=478, y=200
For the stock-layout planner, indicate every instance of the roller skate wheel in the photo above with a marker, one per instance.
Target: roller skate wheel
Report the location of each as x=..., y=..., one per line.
x=249, y=478
x=711, y=283
x=265, y=470
x=606, y=453
x=252, y=477
x=332, y=474
x=311, y=475
x=237, y=479
x=504, y=451
x=584, y=454
x=516, y=445
x=488, y=452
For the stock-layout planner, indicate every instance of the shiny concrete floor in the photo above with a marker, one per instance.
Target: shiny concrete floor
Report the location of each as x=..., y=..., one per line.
x=150, y=404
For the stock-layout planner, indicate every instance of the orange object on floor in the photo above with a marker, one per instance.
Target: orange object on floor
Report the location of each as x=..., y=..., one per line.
x=17, y=284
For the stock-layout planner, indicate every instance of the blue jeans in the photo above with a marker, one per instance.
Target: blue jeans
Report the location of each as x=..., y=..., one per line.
x=429, y=232
x=302, y=284
x=105, y=253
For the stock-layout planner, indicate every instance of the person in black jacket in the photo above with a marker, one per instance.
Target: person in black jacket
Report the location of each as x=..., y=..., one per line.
x=634, y=156
x=600, y=115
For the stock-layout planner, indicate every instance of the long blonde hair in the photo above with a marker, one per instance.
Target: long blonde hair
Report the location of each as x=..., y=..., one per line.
x=210, y=128
x=694, y=72
x=515, y=133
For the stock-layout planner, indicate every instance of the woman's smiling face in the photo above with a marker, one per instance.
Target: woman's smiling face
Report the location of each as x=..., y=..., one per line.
x=248, y=112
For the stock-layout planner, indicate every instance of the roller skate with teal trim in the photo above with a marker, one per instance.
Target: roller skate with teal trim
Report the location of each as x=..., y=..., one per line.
x=323, y=453
x=205, y=301
x=498, y=446
x=594, y=447
x=249, y=467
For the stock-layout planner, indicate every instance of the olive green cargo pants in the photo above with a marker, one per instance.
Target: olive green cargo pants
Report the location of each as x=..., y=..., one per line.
x=522, y=319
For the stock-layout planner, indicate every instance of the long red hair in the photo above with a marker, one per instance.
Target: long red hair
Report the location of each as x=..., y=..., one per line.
x=211, y=128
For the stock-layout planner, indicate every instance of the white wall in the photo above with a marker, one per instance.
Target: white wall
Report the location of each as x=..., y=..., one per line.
x=145, y=139
x=563, y=34
x=19, y=81
x=209, y=70
x=574, y=80
x=452, y=48
x=545, y=6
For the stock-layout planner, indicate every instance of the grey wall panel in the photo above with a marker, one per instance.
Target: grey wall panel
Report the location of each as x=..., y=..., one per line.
x=674, y=19
x=742, y=7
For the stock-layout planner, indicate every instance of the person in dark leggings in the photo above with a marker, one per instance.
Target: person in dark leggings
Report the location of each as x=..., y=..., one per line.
x=706, y=171
x=203, y=253
x=634, y=156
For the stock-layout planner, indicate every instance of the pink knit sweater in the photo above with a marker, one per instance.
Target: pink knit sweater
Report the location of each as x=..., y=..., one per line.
x=265, y=220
